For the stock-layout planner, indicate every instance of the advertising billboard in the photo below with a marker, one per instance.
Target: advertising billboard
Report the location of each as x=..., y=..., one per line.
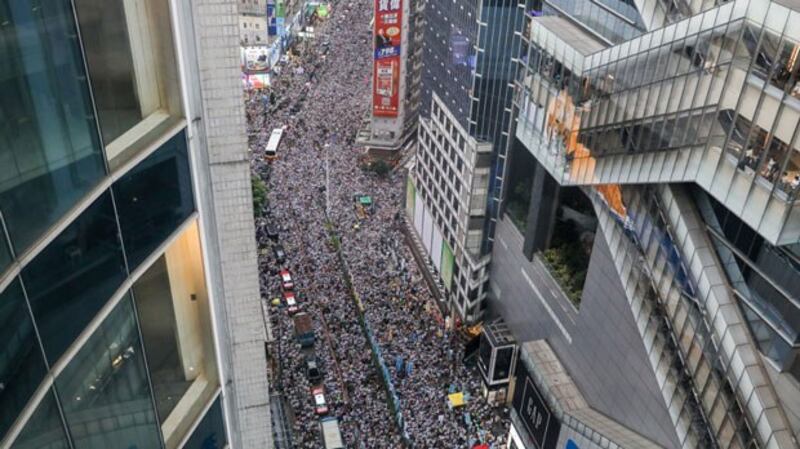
x=386, y=63
x=280, y=18
x=447, y=266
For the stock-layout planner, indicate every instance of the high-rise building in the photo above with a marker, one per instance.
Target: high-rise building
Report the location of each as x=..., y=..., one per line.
x=392, y=116
x=647, y=246
x=617, y=181
x=129, y=301
x=468, y=49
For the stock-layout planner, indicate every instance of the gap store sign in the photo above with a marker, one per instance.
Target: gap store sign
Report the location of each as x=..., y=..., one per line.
x=537, y=418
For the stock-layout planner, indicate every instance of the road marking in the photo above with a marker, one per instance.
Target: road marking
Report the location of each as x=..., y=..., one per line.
x=503, y=242
x=547, y=307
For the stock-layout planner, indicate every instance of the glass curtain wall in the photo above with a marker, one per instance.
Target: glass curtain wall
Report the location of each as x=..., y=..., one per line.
x=73, y=278
x=174, y=315
x=22, y=365
x=615, y=20
x=45, y=429
x=764, y=278
x=132, y=68
x=449, y=56
x=50, y=154
x=5, y=251
x=104, y=391
x=210, y=433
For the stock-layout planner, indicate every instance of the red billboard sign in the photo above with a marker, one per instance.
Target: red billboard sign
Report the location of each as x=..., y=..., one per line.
x=386, y=63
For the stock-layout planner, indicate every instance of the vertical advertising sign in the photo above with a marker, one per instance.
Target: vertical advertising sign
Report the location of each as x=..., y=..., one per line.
x=272, y=29
x=386, y=63
x=280, y=18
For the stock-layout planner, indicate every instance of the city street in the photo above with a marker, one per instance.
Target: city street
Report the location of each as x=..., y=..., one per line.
x=387, y=362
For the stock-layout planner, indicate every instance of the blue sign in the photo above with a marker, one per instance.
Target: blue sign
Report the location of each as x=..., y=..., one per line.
x=385, y=52
x=272, y=28
x=571, y=444
x=280, y=24
x=460, y=46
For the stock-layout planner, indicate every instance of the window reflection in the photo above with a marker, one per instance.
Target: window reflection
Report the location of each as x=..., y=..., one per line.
x=5, y=253
x=154, y=198
x=44, y=430
x=50, y=154
x=71, y=279
x=133, y=74
x=157, y=317
x=180, y=357
x=762, y=275
x=108, y=56
x=22, y=366
x=210, y=433
x=104, y=390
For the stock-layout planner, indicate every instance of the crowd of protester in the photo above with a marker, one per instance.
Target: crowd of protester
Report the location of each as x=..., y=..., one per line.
x=319, y=97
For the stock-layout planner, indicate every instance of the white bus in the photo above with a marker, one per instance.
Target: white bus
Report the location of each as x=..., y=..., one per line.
x=330, y=433
x=271, y=151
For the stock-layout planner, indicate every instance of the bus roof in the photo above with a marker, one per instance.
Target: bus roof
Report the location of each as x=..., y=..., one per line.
x=330, y=433
x=274, y=140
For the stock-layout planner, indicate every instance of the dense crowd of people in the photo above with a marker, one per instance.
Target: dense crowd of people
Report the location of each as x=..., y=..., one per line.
x=319, y=97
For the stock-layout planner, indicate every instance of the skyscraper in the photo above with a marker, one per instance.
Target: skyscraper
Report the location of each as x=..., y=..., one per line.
x=129, y=301
x=620, y=189
x=454, y=187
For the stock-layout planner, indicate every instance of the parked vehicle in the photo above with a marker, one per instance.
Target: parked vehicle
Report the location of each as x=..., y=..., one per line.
x=280, y=253
x=304, y=329
x=331, y=436
x=318, y=395
x=287, y=283
x=292, y=306
x=313, y=373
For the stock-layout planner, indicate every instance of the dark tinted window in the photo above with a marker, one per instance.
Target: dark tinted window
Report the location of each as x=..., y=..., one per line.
x=5, y=254
x=502, y=364
x=154, y=198
x=21, y=364
x=44, y=429
x=71, y=279
x=50, y=154
x=104, y=390
x=485, y=353
x=210, y=433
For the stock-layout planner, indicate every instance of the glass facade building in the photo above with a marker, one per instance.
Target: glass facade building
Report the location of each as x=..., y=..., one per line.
x=679, y=121
x=110, y=336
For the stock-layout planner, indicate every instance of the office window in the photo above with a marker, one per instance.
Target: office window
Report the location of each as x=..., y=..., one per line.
x=210, y=433
x=174, y=317
x=71, y=279
x=104, y=391
x=153, y=199
x=5, y=253
x=132, y=68
x=22, y=366
x=44, y=429
x=50, y=154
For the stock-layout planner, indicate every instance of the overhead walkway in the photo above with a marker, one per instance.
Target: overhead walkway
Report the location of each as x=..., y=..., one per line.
x=671, y=106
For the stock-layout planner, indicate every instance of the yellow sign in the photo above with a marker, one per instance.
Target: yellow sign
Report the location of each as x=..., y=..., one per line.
x=456, y=399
